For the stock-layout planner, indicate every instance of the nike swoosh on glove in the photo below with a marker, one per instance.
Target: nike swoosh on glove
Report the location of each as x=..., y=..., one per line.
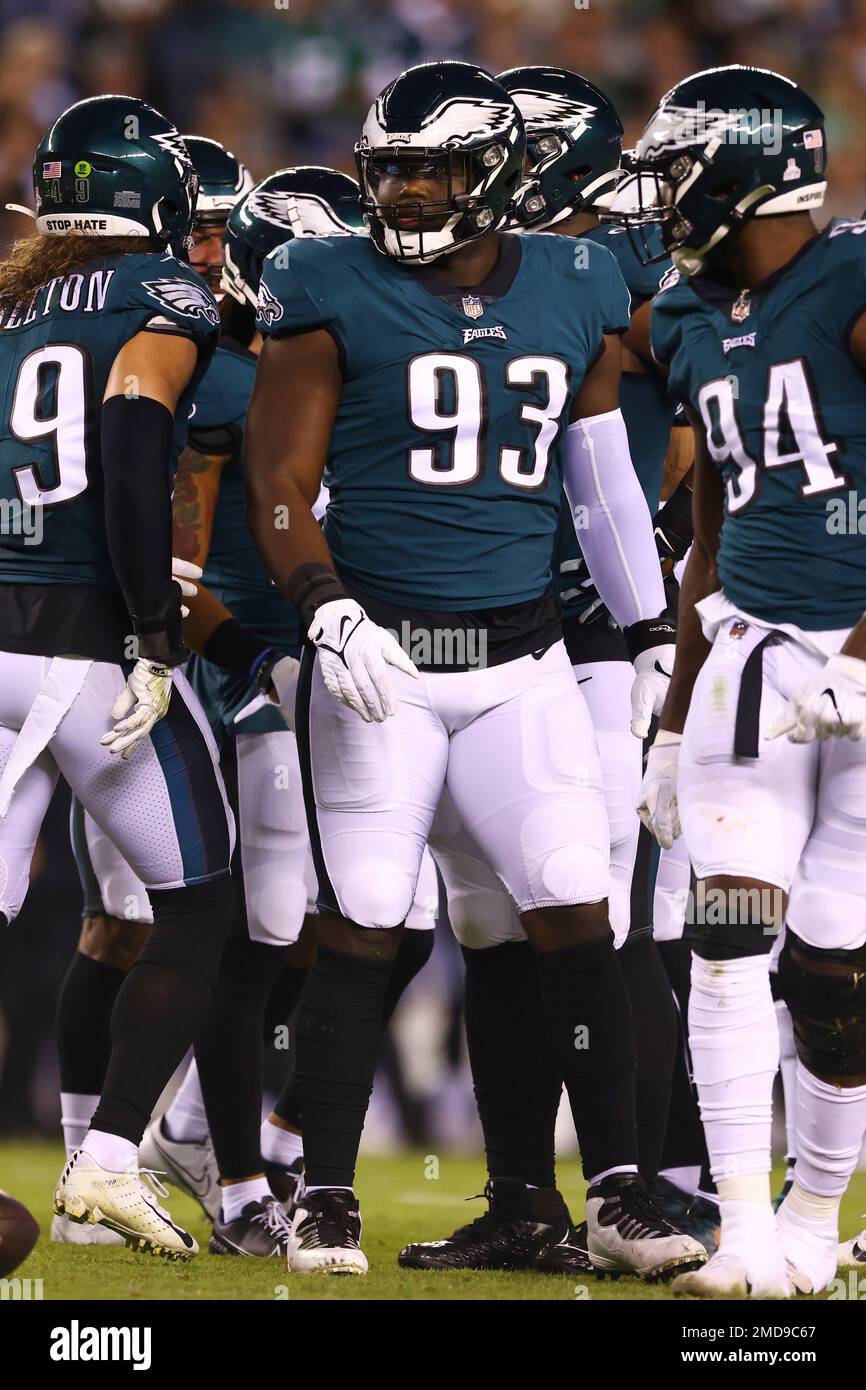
x=658, y=807
x=832, y=704
x=141, y=704
x=183, y=572
x=353, y=654
x=653, y=669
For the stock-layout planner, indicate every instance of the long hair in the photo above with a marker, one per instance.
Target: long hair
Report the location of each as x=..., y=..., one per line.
x=35, y=260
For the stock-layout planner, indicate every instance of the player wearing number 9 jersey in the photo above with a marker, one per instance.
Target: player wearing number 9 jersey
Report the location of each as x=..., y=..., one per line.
x=764, y=338
x=104, y=333
x=431, y=372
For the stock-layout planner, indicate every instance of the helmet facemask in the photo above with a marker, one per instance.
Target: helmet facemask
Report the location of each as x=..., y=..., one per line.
x=421, y=230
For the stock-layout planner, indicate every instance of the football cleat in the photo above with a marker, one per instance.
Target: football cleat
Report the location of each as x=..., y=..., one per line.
x=702, y=1221
x=262, y=1230
x=124, y=1203
x=325, y=1234
x=188, y=1164
x=524, y=1228
x=851, y=1254
x=287, y=1184
x=672, y=1201
x=811, y=1253
x=65, y=1231
x=626, y=1233
x=727, y=1275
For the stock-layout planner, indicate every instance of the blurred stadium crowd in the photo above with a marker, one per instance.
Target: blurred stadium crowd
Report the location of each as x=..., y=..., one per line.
x=288, y=81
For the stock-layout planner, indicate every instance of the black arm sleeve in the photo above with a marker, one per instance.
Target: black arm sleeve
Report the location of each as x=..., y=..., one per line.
x=136, y=447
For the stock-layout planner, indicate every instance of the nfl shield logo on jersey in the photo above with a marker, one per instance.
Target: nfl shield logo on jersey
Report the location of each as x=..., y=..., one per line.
x=472, y=306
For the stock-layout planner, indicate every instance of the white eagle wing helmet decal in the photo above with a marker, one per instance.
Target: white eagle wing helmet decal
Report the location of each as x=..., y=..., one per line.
x=269, y=308
x=541, y=110
x=184, y=297
x=302, y=213
x=456, y=124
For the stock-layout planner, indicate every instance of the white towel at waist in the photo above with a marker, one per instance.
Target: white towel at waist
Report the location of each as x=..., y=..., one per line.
x=60, y=688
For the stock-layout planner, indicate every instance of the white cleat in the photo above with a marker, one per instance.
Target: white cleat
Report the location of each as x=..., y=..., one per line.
x=731, y=1276
x=123, y=1203
x=325, y=1234
x=65, y=1231
x=851, y=1254
x=188, y=1165
x=627, y=1234
x=811, y=1255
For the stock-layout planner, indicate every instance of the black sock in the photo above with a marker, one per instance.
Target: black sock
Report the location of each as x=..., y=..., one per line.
x=283, y=998
x=654, y=1014
x=588, y=1022
x=412, y=955
x=517, y=1083
x=339, y=1028
x=229, y=1051
x=84, y=1008
x=163, y=1001
x=685, y=1145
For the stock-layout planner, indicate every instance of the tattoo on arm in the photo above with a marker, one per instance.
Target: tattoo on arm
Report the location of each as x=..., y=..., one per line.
x=196, y=491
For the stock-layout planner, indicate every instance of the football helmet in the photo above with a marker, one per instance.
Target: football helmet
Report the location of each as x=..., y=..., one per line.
x=113, y=166
x=573, y=144
x=303, y=202
x=724, y=146
x=451, y=122
x=223, y=181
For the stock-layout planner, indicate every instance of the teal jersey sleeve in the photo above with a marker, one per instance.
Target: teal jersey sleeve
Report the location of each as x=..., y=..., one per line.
x=294, y=293
x=642, y=281
x=613, y=300
x=170, y=296
x=667, y=317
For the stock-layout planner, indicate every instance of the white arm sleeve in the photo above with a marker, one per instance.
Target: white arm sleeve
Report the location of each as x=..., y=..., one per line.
x=612, y=519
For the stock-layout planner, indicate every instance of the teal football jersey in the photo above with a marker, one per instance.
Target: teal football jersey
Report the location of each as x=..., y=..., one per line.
x=647, y=409
x=445, y=464
x=234, y=572
x=784, y=406
x=55, y=357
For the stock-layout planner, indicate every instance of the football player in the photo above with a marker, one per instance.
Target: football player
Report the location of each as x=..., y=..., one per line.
x=106, y=332
x=116, y=916
x=451, y=376
x=574, y=143
x=764, y=338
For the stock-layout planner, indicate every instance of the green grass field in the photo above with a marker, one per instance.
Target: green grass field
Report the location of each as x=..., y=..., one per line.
x=399, y=1204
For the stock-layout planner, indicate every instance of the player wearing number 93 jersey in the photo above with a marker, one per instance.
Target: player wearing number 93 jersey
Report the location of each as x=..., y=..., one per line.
x=764, y=338
x=431, y=371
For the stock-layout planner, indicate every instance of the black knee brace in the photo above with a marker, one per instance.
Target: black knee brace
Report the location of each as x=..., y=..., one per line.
x=826, y=994
x=729, y=923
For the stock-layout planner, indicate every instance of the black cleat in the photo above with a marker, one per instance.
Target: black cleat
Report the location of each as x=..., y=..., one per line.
x=287, y=1184
x=524, y=1228
x=262, y=1230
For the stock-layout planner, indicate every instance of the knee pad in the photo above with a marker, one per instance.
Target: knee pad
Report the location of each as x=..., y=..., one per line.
x=377, y=895
x=825, y=992
x=276, y=905
x=190, y=927
x=572, y=874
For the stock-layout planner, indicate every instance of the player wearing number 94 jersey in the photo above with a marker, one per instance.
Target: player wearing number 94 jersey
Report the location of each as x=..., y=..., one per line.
x=766, y=342
x=104, y=334
x=431, y=371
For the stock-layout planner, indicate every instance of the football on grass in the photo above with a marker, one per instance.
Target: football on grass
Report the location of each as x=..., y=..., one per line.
x=18, y=1233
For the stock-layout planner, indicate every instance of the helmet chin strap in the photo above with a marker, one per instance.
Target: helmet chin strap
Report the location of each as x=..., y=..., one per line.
x=19, y=207
x=688, y=260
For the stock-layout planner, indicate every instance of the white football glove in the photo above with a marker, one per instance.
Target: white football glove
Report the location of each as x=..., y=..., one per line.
x=141, y=704
x=658, y=807
x=832, y=704
x=650, y=686
x=353, y=655
x=182, y=572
